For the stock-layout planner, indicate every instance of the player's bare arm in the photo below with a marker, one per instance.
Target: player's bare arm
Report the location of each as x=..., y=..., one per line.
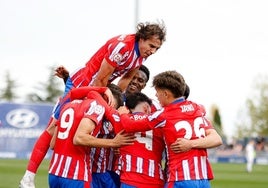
x=126, y=78
x=106, y=70
x=83, y=137
x=211, y=140
x=53, y=140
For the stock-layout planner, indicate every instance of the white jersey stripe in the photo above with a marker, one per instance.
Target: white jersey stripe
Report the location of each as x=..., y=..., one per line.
x=66, y=167
x=58, y=168
x=151, y=168
x=139, y=164
x=54, y=162
x=115, y=51
x=204, y=166
x=128, y=161
x=196, y=170
x=186, y=170
x=76, y=171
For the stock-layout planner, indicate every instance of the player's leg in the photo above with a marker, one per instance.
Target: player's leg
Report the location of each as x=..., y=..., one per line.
x=41, y=146
x=39, y=152
x=250, y=165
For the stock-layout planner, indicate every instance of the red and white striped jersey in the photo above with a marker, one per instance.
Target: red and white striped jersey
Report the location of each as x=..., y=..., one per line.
x=181, y=119
x=69, y=160
x=143, y=157
x=121, y=52
x=103, y=158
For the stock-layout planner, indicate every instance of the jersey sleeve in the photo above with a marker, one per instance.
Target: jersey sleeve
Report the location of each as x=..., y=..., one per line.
x=207, y=124
x=110, y=113
x=131, y=125
x=117, y=51
x=82, y=92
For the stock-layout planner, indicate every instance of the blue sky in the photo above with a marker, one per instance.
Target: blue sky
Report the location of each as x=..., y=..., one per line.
x=219, y=46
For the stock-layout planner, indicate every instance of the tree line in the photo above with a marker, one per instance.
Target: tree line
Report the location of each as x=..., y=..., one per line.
x=44, y=92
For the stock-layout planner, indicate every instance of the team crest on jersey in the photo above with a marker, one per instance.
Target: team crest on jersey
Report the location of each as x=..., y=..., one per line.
x=117, y=58
x=108, y=126
x=98, y=109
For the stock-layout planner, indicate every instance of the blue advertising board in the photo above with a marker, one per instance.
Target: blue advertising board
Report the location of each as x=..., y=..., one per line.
x=20, y=126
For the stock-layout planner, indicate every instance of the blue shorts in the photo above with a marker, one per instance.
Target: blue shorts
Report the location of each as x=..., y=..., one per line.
x=123, y=185
x=189, y=184
x=102, y=180
x=57, y=181
x=56, y=111
x=115, y=177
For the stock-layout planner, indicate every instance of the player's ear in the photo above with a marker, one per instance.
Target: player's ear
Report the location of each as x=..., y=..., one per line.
x=146, y=108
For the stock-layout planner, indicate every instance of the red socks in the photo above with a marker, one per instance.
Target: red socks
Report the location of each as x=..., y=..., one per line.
x=39, y=151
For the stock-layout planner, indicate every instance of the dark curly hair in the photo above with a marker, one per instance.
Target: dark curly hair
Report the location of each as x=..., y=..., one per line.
x=147, y=30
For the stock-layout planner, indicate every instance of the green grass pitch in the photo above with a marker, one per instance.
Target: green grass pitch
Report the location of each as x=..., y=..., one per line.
x=226, y=175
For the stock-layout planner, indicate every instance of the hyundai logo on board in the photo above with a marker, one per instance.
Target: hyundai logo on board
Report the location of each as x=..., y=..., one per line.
x=22, y=118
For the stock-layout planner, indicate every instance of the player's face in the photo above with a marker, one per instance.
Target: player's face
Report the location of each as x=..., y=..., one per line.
x=161, y=96
x=137, y=83
x=115, y=105
x=149, y=46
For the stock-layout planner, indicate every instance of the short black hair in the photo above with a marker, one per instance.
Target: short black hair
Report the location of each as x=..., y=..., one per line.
x=146, y=71
x=132, y=100
x=186, y=92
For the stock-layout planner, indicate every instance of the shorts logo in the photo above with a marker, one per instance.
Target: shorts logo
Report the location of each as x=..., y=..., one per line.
x=22, y=118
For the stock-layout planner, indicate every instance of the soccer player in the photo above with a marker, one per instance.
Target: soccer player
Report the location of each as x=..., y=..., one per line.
x=120, y=56
x=104, y=162
x=103, y=158
x=141, y=162
x=181, y=119
x=79, y=119
x=106, y=168
x=250, y=155
x=138, y=83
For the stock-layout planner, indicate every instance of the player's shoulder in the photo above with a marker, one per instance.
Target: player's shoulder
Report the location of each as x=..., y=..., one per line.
x=122, y=38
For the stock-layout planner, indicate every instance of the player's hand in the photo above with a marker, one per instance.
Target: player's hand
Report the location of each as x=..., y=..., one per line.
x=123, y=139
x=61, y=72
x=108, y=96
x=123, y=110
x=181, y=145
